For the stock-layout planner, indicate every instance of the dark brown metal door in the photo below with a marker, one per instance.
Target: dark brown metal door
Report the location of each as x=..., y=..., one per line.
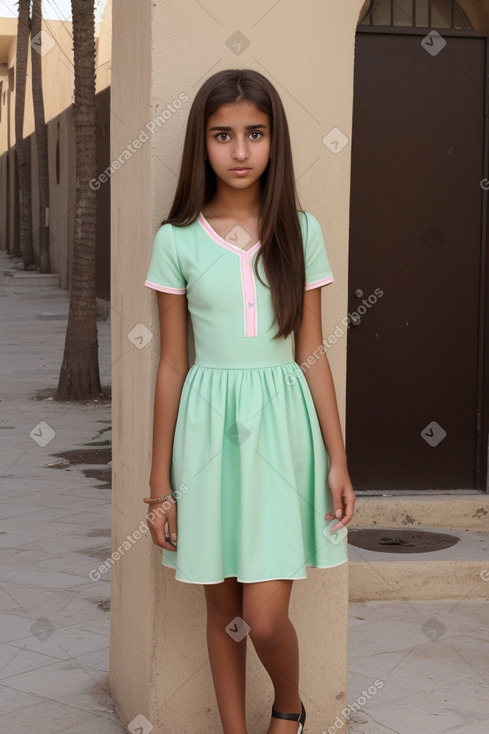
x=416, y=231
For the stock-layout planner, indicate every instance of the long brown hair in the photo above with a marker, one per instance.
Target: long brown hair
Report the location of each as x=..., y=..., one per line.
x=280, y=230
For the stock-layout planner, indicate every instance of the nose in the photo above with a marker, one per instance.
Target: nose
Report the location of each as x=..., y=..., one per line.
x=240, y=151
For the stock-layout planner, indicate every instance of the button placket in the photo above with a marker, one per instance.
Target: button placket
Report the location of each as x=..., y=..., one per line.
x=249, y=295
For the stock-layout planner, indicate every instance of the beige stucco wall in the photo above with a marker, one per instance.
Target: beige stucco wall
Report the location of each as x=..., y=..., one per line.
x=62, y=194
x=58, y=88
x=158, y=658
x=57, y=67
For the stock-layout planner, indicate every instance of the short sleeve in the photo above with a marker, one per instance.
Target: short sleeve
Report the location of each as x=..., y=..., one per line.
x=164, y=272
x=318, y=269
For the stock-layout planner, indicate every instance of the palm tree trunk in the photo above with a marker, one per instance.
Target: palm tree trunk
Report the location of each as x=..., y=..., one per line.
x=25, y=225
x=79, y=376
x=41, y=138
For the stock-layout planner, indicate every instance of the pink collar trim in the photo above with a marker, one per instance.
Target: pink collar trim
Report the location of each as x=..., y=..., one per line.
x=221, y=241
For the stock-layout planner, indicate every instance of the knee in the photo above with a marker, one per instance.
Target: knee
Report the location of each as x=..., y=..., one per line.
x=266, y=632
x=221, y=617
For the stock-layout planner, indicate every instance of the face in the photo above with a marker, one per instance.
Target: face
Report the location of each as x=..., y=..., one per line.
x=238, y=143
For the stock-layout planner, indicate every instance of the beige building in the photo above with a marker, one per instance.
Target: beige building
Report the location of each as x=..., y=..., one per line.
x=58, y=88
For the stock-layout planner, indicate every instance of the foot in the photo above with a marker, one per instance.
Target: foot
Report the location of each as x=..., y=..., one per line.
x=285, y=726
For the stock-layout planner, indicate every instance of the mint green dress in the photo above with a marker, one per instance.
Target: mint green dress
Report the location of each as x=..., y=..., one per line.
x=249, y=462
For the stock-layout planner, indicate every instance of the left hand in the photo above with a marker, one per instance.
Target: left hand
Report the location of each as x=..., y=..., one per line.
x=343, y=496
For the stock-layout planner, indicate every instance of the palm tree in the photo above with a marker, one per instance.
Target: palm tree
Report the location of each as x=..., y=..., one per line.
x=41, y=137
x=25, y=227
x=79, y=377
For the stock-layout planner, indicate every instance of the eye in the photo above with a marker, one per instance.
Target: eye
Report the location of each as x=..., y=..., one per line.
x=256, y=132
x=219, y=134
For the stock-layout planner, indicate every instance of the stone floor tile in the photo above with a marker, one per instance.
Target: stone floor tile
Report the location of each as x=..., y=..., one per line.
x=14, y=660
x=374, y=637
x=98, y=659
x=423, y=666
x=60, y=642
x=50, y=717
x=66, y=682
x=12, y=700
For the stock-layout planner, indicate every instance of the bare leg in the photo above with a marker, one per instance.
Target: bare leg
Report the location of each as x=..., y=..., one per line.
x=227, y=656
x=265, y=609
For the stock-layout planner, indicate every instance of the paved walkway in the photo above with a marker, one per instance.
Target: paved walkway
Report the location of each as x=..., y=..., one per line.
x=414, y=667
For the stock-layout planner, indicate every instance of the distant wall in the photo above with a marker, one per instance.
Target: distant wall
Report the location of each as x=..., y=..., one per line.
x=62, y=187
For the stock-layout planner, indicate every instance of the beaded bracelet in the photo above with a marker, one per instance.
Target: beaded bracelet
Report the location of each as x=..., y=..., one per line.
x=151, y=500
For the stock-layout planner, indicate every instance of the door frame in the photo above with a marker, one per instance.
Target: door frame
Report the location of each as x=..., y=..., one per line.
x=481, y=419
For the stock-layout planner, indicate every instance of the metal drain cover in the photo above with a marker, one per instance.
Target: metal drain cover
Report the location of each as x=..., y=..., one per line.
x=400, y=540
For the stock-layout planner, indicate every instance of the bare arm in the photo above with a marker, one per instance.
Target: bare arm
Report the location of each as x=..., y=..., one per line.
x=172, y=370
x=308, y=342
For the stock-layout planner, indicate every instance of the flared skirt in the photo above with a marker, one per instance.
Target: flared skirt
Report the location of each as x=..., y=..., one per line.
x=250, y=470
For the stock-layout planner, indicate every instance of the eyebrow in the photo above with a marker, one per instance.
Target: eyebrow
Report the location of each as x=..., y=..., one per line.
x=227, y=128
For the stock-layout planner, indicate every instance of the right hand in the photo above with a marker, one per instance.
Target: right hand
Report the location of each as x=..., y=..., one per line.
x=160, y=514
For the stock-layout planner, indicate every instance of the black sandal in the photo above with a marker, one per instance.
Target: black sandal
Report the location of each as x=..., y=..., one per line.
x=301, y=718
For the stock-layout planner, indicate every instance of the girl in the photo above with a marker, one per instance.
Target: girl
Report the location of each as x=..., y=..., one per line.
x=246, y=444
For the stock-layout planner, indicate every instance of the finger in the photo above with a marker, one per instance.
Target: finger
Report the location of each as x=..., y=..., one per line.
x=172, y=531
x=336, y=515
x=168, y=545
x=337, y=526
x=350, y=504
x=172, y=539
x=163, y=541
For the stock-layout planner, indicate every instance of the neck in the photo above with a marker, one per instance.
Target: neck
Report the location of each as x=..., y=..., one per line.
x=245, y=203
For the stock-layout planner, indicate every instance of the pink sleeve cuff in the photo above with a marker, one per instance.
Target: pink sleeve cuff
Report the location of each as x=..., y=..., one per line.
x=319, y=283
x=164, y=288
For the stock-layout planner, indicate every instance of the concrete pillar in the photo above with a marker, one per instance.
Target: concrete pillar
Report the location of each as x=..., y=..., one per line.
x=159, y=667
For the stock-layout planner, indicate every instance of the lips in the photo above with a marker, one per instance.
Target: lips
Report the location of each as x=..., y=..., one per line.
x=241, y=172
x=241, y=168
